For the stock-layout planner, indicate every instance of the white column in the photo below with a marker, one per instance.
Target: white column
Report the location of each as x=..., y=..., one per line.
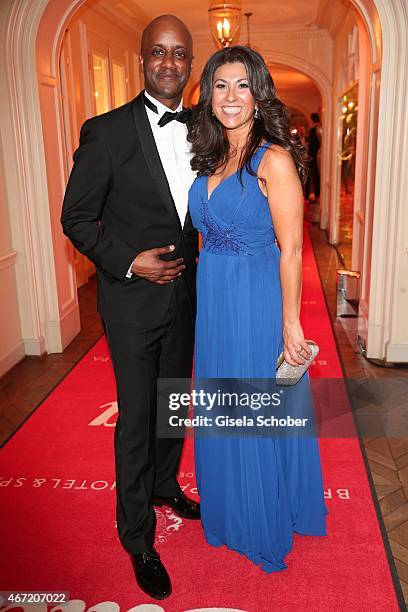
x=22, y=144
x=387, y=325
x=47, y=304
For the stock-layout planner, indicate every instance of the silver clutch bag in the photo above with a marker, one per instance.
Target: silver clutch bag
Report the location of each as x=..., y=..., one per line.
x=287, y=374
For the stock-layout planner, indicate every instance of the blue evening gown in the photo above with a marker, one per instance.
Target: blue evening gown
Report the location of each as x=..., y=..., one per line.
x=255, y=491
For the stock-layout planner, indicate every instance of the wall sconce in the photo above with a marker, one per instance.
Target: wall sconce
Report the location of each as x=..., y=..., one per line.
x=225, y=21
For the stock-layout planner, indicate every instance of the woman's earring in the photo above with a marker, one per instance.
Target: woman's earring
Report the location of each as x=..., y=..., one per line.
x=256, y=113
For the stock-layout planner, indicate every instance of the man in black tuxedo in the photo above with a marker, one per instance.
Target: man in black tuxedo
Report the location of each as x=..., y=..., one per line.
x=125, y=208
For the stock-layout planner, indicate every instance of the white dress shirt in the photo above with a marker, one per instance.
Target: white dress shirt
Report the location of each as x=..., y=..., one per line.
x=175, y=155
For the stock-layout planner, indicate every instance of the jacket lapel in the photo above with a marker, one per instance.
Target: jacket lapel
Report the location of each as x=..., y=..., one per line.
x=151, y=155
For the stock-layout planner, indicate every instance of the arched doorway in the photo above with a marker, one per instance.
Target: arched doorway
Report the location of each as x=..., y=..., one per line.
x=323, y=85
x=49, y=311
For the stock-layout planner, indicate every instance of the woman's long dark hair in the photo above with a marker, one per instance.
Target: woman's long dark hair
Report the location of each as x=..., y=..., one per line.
x=210, y=145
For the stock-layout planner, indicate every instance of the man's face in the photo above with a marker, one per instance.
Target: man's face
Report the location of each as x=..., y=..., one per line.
x=166, y=61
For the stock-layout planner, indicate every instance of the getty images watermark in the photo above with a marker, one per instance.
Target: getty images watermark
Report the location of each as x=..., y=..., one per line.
x=213, y=401
x=219, y=407
x=323, y=407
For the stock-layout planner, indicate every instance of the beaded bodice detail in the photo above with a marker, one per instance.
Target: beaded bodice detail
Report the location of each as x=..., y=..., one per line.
x=235, y=220
x=218, y=238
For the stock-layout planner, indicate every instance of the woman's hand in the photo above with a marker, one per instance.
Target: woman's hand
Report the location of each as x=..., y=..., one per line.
x=296, y=349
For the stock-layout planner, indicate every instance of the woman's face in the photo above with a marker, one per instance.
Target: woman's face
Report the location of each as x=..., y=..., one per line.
x=232, y=101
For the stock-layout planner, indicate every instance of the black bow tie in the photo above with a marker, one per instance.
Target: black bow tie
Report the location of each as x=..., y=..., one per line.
x=180, y=116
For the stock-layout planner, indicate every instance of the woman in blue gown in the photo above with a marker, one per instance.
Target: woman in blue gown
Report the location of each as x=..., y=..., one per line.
x=255, y=491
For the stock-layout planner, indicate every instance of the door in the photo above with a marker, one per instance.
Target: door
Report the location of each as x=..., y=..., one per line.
x=105, y=85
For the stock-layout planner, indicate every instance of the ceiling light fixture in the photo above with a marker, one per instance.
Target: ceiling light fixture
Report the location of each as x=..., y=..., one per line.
x=225, y=21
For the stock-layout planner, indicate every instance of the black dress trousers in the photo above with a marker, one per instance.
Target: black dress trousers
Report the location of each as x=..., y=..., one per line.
x=147, y=465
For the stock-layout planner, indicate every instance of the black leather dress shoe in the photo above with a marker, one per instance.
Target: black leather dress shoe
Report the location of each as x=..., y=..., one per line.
x=151, y=574
x=181, y=504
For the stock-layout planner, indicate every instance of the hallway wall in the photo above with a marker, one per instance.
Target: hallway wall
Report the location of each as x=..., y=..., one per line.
x=11, y=344
x=353, y=65
x=348, y=72
x=38, y=297
x=91, y=31
x=34, y=185
x=88, y=30
x=87, y=23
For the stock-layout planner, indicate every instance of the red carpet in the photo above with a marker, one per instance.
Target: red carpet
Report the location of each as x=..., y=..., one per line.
x=58, y=511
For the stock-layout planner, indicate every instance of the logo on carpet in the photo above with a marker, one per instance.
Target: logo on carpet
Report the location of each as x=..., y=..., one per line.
x=108, y=417
x=79, y=484
x=167, y=524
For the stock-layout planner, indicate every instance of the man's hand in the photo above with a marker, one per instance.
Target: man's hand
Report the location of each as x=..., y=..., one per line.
x=148, y=265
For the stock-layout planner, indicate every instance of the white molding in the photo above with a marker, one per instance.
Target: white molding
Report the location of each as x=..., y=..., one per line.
x=8, y=260
x=396, y=353
x=25, y=169
x=84, y=50
x=310, y=34
x=336, y=127
x=259, y=35
x=30, y=222
x=69, y=324
x=371, y=137
x=387, y=303
x=63, y=17
x=34, y=346
x=11, y=358
x=364, y=13
x=24, y=163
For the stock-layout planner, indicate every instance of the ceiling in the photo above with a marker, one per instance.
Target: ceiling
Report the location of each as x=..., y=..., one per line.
x=269, y=17
x=278, y=13
x=296, y=89
x=286, y=79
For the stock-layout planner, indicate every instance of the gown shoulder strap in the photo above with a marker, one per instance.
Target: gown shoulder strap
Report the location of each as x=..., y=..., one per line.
x=258, y=155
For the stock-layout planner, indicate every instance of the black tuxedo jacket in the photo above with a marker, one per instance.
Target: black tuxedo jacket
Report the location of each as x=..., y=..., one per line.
x=117, y=204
